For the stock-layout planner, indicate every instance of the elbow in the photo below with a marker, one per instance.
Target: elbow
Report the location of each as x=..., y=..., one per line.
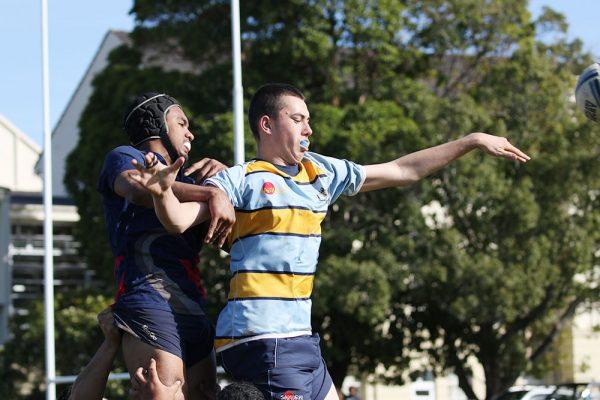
x=175, y=229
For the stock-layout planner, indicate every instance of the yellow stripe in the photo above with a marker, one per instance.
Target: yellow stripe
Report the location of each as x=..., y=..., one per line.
x=223, y=342
x=308, y=170
x=286, y=220
x=283, y=286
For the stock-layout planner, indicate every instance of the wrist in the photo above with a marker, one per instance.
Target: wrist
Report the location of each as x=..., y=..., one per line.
x=474, y=140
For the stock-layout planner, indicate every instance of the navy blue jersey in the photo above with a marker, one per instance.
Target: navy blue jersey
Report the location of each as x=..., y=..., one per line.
x=153, y=268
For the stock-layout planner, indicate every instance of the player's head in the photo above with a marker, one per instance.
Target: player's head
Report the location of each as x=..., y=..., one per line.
x=268, y=101
x=149, y=117
x=240, y=391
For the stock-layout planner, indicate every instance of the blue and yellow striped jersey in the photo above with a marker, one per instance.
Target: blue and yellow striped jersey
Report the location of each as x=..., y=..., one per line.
x=274, y=244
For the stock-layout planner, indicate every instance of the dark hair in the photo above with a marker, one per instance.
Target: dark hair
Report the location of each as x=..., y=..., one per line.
x=267, y=101
x=240, y=391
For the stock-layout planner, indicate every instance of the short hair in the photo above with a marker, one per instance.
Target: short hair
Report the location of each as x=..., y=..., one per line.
x=267, y=101
x=240, y=391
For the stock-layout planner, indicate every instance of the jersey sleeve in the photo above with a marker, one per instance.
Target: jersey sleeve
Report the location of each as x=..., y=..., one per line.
x=231, y=181
x=346, y=177
x=117, y=161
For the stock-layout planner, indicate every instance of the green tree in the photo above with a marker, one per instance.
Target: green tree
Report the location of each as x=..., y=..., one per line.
x=77, y=337
x=481, y=259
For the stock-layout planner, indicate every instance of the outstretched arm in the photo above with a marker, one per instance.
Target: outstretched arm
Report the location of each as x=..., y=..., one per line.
x=220, y=208
x=91, y=382
x=415, y=166
x=158, y=179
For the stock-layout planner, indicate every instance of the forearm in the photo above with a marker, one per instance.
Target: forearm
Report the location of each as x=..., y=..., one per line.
x=422, y=163
x=188, y=192
x=91, y=382
x=413, y=167
x=177, y=216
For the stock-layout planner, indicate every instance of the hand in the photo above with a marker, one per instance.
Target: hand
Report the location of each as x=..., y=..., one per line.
x=222, y=218
x=153, y=175
x=147, y=385
x=499, y=147
x=107, y=324
x=204, y=169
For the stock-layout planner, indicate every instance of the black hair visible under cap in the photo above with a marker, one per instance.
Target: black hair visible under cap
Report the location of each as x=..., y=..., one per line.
x=145, y=117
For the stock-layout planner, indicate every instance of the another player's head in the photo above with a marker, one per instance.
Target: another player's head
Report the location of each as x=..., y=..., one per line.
x=155, y=115
x=240, y=391
x=268, y=101
x=279, y=117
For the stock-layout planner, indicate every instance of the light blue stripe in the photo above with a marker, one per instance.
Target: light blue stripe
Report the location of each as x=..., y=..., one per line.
x=256, y=317
x=275, y=253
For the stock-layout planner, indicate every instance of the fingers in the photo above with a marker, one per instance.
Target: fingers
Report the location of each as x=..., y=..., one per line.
x=223, y=237
x=518, y=154
x=205, y=168
x=152, y=372
x=197, y=166
x=152, y=162
x=140, y=377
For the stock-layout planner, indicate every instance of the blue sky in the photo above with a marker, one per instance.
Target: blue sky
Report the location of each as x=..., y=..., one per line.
x=76, y=29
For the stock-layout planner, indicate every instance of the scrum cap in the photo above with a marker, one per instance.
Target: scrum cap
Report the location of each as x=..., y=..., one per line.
x=146, y=117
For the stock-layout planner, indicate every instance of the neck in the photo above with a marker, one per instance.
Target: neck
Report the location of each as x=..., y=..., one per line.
x=273, y=159
x=157, y=147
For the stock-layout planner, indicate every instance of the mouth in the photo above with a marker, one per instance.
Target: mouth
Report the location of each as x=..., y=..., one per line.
x=304, y=143
x=188, y=146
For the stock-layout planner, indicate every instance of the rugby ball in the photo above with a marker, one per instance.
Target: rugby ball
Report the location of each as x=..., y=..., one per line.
x=587, y=92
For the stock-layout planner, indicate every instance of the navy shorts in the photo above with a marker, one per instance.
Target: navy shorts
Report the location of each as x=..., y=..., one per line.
x=189, y=337
x=287, y=368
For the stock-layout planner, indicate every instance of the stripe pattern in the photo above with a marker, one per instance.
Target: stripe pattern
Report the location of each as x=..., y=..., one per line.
x=274, y=246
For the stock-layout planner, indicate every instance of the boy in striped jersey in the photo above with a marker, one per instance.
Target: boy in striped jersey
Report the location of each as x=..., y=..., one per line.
x=281, y=197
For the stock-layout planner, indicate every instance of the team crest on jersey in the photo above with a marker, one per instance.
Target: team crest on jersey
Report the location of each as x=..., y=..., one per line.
x=291, y=396
x=268, y=188
x=322, y=195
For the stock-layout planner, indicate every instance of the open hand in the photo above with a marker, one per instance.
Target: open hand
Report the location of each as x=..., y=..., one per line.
x=499, y=147
x=204, y=169
x=148, y=386
x=155, y=176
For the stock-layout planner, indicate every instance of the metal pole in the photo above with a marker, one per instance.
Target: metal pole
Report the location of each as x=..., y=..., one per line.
x=48, y=234
x=238, y=93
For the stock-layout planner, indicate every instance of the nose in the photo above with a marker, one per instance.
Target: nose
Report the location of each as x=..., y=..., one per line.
x=189, y=135
x=307, y=130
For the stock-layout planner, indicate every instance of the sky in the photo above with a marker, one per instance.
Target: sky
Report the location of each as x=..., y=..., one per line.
x=76, y=29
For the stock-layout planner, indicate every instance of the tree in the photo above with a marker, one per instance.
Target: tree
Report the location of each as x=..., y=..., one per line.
x=480, y=259
x=77, y=338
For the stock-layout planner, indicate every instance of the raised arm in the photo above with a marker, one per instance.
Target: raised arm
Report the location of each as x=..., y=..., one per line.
x=91, y=381
x=222, y=215
x=158, y=179
x=415, y=166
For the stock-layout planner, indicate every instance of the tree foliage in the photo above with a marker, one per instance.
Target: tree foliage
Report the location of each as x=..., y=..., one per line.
x=486, y=258
x=77, y=337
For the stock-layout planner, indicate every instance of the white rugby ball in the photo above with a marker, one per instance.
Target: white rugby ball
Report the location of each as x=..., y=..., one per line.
x=587, y=92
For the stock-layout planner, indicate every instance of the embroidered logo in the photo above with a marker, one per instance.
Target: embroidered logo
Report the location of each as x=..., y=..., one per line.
x=149, y=332
x=291, y=396
x=268, y=188
x=322, y=195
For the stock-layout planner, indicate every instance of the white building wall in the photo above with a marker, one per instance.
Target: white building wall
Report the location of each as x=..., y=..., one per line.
x=66, y=132
x=19, y=155
x=586, y=346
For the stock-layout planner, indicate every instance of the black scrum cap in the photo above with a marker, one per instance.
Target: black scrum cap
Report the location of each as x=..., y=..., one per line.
x=146, y=117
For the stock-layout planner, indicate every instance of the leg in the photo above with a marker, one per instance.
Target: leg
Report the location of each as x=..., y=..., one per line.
x=332, y=394
x=202, y=379
x=137, y=353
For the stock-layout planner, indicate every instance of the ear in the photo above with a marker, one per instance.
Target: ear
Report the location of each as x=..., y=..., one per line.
x=264, y=124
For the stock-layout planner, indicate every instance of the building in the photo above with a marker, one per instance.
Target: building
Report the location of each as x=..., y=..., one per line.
x=20, y=203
